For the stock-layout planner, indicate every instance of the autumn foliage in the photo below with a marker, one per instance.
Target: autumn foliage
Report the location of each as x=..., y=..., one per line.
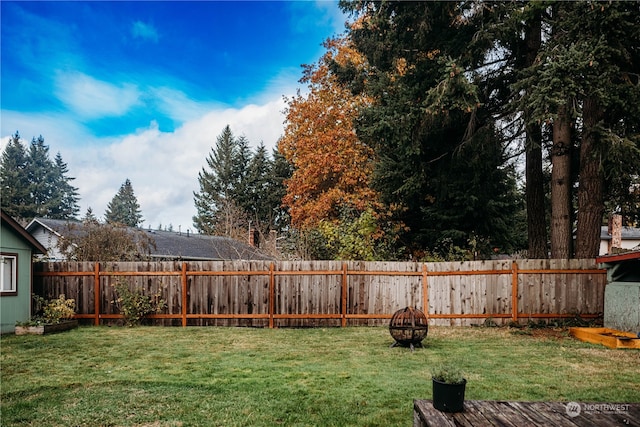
x=332, y=168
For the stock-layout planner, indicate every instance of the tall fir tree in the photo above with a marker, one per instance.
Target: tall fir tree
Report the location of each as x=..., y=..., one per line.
x=429, y=120
x=124, y=209
x=280, y=171
x=256, y=186
x=219, y=185
x=240, y=189
x=41, y=176
x=34, y=185
x=66, y=205
x=582, y=83
x=13, y=174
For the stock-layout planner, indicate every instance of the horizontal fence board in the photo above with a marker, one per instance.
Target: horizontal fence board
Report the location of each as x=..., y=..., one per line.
x=332, y=293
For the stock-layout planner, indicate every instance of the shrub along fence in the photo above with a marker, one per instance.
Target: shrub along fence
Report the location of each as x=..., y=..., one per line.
x=332, y=293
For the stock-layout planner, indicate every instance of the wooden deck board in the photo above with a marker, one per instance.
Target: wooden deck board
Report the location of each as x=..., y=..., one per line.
x=531, y=414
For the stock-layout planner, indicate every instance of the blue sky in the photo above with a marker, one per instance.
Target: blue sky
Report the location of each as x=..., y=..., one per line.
x=140, y=90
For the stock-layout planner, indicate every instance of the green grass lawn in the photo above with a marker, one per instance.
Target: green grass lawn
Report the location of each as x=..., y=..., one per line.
x=154, y=376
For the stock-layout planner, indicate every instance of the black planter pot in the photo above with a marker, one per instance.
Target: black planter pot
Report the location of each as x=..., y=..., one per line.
x=448, y=397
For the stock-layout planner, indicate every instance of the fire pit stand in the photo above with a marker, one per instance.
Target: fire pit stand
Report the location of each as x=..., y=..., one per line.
x=408, y=327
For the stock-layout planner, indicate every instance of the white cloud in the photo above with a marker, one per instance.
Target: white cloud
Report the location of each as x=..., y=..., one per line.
x=144, y=31
x=163, y=166
x=92, y=98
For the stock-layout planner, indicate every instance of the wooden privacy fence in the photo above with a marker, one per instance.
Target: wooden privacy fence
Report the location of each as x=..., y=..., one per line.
x=332, y=293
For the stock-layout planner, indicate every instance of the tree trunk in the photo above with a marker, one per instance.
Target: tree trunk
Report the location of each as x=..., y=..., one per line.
x=561, y=235
x=591, y=187
x=536, y=222
x=536, y=216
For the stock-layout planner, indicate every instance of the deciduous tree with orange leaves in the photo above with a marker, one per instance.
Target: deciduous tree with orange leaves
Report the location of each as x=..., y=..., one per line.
x=330, y=185
x=331, y=166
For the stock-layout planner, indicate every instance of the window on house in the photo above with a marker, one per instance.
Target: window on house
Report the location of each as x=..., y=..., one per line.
x=8, y=273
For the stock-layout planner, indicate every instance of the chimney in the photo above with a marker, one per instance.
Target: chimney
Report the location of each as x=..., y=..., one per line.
x=254, y=237
x=615, y=230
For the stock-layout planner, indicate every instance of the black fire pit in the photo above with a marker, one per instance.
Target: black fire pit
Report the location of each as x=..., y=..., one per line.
x=408, y=327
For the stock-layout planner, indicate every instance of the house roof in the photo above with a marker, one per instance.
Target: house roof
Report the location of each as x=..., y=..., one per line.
x=23, y=233
x=628, y=233
x=622, y=256
x=180, y=245
x=59, y=227
x=170, y=244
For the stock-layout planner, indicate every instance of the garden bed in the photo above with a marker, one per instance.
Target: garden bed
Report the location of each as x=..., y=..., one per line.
x=47, y=328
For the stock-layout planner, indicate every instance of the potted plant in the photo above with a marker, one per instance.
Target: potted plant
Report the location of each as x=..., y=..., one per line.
x=51, y=316
x=448, y=389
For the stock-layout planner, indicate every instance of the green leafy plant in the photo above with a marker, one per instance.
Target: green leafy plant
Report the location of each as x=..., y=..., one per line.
x=134, y=305
x=59, y=309
x=51, y=311
x=448, y=374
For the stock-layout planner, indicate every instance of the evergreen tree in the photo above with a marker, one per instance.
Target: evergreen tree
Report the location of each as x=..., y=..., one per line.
x=256, y=186
x=41, y=179
x=124, y=209
x=89, y=217
x=516, y=30
x=66, y=198
x=430, y=120
x=581, y=84
x=13, y=175
x=280, y=171
x=242, y=193
x=554, y=76
x=34, y=185
x=219, y=185
x=239, y=189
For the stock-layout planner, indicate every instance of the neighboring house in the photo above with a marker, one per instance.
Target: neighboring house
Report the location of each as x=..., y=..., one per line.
x=169, y=245
x=17, y=247
x=48, y=232
x=630, y=239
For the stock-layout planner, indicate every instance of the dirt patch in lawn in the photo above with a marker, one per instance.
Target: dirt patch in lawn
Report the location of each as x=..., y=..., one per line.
x=550, y=333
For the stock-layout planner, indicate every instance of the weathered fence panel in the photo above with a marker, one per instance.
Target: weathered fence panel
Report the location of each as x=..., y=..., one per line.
x=333, y=293
x=463, y=293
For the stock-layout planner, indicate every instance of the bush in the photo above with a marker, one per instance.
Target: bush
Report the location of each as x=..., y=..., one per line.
x=59, y=309
x=50, y=312
x=134, y=305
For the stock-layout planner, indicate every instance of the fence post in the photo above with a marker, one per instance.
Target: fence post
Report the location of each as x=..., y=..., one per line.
x=184, y=294
x=272, y=294
x=425, y=291
x=514, y=291
x=344, y=295
x=96, y=294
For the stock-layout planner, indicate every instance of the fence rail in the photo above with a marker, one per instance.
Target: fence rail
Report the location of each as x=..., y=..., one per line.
x=311, y=293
